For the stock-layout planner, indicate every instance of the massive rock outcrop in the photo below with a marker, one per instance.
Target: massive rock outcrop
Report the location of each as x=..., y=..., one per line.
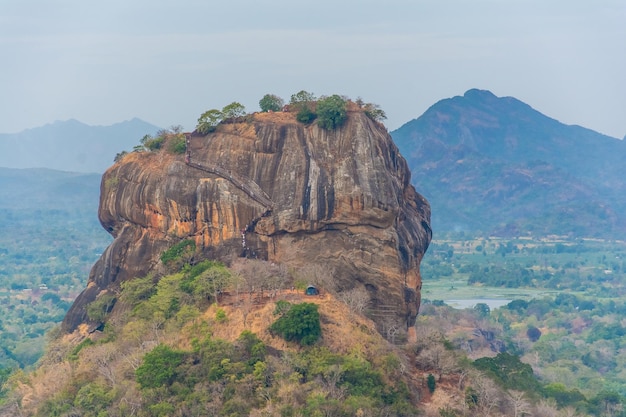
x=300, y=195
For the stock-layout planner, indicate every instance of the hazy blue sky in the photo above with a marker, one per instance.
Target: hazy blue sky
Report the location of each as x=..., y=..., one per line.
x=168, y=61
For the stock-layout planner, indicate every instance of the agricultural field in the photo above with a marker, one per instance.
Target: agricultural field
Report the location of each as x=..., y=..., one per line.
x=497, y=269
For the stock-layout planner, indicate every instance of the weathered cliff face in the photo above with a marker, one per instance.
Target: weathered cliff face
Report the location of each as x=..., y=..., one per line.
x=304, y=195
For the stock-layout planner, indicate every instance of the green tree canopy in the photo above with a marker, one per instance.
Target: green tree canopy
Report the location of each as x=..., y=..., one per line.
x=301, y=323
x=209, y=120
x=183, y=249
x=331, y=112
x=302, y=97
x=98, y=309
x=159, y=367
x=152, y=143
x=234, y=109
x=302, y=102
x=271, y=102
x=374, y=112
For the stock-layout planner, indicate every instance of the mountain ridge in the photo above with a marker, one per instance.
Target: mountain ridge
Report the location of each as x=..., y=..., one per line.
x=71, y=145
x=467, y=149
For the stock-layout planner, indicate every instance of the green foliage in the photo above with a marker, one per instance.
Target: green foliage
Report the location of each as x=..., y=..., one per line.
x=220, y=315
x=177, y=144
x=251, y=349
x=208, y=121
x=302, y=102
x=431, y=383
x=509, y=372
x=282, y=306
x=602, y=331
x=533, y=333
x=159, y=367
x=152, y=143
x=374, y=112
x=233, y=110
x=471, y=397
x=447, y=412
x=482, y=309
x=173, y=137
x=507, y=275
x=137, y=290
x=184, y=248
x=4, y=377
x=562, y=395
x=517, y=305
x=305, y=115
x=607, y=402
x=302, y=97
x=162, y=409
x=119, y=156
x=301, y=324
x=93, y=399
x=57, y=406
x=74, y=353
x=212, y=282
x=359, y=377
x=331, y=112
x=216, y=377
x=271, y=102
x=98, y=309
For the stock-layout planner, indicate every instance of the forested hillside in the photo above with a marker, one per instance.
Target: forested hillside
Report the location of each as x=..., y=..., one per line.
x=495, y=165
x=208, y=340
x=49, y=239
x=561, y=308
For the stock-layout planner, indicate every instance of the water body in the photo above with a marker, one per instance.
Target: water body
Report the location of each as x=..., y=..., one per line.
x=493, y=303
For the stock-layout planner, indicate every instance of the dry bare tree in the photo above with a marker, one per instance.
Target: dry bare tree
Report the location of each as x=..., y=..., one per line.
x=357, y=299
x=255, y=275
x=489, y=395
x=520, y=405
x=438, y=359
x=318, y=275
x=546, y=408
x=103, y=357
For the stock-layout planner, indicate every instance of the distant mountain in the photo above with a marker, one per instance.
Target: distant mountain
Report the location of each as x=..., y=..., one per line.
x=71, y=145
x=46, y=189
x=496, y=165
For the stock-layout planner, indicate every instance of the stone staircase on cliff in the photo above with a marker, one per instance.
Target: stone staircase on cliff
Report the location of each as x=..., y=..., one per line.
x=251, y=188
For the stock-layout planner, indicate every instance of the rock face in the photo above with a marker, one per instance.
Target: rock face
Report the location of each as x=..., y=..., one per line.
x=300, y=194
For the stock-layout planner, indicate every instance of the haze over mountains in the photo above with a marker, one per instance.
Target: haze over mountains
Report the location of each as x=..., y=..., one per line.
x=71, y=145
x=485, y=163
x=499, y=166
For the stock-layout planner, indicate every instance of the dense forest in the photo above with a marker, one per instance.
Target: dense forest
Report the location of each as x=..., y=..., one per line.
x=49, y=239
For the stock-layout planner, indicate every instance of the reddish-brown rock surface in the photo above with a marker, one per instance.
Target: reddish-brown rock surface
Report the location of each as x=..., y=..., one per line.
x=341, y=199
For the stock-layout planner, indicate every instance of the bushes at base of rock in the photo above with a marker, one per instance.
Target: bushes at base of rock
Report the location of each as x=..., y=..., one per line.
x=301, y=323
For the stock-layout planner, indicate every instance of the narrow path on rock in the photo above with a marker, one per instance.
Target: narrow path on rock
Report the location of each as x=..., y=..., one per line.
x=251, y=188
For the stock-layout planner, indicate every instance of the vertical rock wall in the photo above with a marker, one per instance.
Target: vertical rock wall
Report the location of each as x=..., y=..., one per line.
x=341, y=199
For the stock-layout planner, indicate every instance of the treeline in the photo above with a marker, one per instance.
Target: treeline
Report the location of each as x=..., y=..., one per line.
x=578, y=265
x=328, y=112
x=45, y=258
